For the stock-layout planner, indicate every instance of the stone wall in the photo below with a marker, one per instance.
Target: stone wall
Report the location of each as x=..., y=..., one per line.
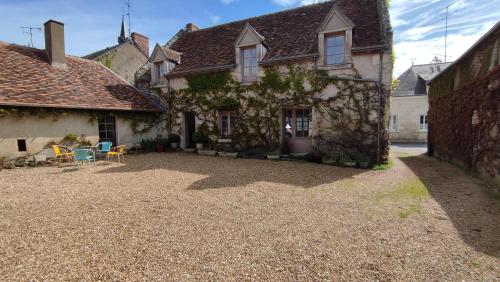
x=464, y=116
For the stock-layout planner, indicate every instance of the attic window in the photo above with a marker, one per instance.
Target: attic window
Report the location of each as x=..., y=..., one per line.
x=335, y=49
x=249, y=63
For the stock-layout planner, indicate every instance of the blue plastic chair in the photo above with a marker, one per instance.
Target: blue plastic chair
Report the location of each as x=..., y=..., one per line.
x=104, y=147
x=82, y=155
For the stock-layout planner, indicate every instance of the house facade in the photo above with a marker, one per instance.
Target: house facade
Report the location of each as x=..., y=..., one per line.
x=408, y=121
x=464, y=116
x=311, y=79
x=125, y=58
x=46, y=96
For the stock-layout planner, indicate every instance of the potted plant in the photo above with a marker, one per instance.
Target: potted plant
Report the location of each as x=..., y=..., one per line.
x=174, y=140
x=159, y=144
x=199, y=138
x=274, y=153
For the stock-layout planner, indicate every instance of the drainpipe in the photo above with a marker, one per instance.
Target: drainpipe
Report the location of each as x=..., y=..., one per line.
x=379, y=123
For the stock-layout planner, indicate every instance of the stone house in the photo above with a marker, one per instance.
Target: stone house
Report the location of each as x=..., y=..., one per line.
x=46, y=95
x=311, y=79
x=125, y=58
x=464, y=115
x=408, y=121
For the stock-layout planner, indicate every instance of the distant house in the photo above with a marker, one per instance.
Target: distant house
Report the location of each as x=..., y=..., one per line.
x=46, y=95
x=311, y=79
x=125, y=58
x=464, y=109
x=409, y=103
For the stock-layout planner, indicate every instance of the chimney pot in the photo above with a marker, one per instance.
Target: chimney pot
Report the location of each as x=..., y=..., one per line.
x=54, y=43
x=190, y=27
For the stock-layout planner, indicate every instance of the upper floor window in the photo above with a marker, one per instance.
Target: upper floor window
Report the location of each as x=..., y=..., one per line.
x=160, y=70
x=335, y=49
x=249, y=63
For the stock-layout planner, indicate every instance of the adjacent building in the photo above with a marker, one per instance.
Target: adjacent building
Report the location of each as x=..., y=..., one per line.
x=126, y=57
x=408, y=121
x=311, y=79
x=464, y=109
x=46, y=95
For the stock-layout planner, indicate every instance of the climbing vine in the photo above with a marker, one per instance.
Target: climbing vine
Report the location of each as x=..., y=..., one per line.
x=345, y=121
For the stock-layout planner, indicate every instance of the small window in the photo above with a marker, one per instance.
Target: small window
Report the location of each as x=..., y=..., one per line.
x=335, y=49
x=249, y=64
x=423, y=123
x=160, y=70
x=225, y=124
x=21, y=145
x=393, y=123
x=302, y=120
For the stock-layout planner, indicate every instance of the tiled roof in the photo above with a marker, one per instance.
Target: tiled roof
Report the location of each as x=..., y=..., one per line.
x=171, y=54
x=413, y=81
x=287, y=34
x=27, y=79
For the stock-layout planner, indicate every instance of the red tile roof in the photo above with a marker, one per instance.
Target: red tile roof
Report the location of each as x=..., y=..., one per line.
x=27, y=79
x=287, y=34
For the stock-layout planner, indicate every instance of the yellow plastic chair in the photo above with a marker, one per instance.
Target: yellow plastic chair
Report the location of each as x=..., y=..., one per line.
x=62, y=153
x=118, y=151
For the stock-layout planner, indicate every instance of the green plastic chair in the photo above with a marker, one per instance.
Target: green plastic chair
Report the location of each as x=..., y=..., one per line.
x=84, y=155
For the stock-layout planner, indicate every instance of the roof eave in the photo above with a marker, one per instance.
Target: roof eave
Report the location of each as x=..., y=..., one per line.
x=70, y=107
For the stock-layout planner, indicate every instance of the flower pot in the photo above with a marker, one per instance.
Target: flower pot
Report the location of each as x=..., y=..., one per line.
x=207, y=152
x=273, y=157
x=199, y=146
x=160, y=148
x=228, y=154
x=174, y=145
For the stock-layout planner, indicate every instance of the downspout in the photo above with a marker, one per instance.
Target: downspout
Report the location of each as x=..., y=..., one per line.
x=379, y=103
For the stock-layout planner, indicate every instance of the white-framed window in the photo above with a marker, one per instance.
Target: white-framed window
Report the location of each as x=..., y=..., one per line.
x=160, y=71
x=393, y=123
x=335, y=49
x=225, y=123
x=249, y=63
x=424, y=125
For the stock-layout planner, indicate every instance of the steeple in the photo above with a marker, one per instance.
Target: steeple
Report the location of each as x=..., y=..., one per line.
x=123, y=33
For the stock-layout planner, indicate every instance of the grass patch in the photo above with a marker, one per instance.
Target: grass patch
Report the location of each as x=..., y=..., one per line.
x=409, y=196
x=412, y=209
x=386, y=166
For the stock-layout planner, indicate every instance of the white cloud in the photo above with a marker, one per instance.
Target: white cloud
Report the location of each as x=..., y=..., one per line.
x=214, y=19
x=287, y=3
x=227, y=2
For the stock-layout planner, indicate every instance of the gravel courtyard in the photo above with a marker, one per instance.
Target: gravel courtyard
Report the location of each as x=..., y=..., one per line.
x=185, y=217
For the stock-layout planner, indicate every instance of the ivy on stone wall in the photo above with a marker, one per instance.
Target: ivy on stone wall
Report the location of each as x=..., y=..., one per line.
x=346, y=121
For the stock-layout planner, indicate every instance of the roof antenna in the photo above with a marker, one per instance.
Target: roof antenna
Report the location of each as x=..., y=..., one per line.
x=446, y=31
x=29, y=30
x=128, y=15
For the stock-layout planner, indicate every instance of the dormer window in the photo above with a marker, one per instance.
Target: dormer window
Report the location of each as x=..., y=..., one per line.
x=335, y=49
x=160, y=70
x=249, y=63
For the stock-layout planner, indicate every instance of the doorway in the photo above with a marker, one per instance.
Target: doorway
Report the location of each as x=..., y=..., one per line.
x=107, y=129
x=296, y=130
x=190, y=128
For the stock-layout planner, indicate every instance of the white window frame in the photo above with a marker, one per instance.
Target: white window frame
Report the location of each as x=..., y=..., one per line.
x=393, y=123
x=423, y=121
x=252, y=75
x=336, y=48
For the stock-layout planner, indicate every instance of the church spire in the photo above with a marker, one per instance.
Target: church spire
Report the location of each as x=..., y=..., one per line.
x=123, y=33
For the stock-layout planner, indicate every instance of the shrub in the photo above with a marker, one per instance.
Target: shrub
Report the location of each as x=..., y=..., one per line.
x=199, y=137
x=174, y=138
x=148, y=145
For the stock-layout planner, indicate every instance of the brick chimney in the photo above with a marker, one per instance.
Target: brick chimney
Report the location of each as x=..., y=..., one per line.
x=190, y=27
x=141, y=41
x=54, y=43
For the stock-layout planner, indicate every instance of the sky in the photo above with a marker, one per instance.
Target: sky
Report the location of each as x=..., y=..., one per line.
x=91, y=25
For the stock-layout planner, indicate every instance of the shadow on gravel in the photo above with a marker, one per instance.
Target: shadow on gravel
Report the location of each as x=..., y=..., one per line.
x=224, y=172
x=472, y=209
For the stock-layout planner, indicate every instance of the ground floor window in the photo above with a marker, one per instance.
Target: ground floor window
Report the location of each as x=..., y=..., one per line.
x=393, y=123
x=297, y=122
x=225, y=123
x=21, y=145
x=106, y=126
x=423, y=123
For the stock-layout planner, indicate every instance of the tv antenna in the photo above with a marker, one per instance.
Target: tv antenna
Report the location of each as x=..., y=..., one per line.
x=128, y=15
x=446, y=31
x=29, y=30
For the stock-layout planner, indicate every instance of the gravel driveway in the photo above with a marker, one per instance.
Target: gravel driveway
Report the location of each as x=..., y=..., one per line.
x=186, y=217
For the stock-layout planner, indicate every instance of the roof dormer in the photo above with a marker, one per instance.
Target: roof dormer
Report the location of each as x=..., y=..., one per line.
x=250, y=48
x=335, y=40
x=163, y=61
